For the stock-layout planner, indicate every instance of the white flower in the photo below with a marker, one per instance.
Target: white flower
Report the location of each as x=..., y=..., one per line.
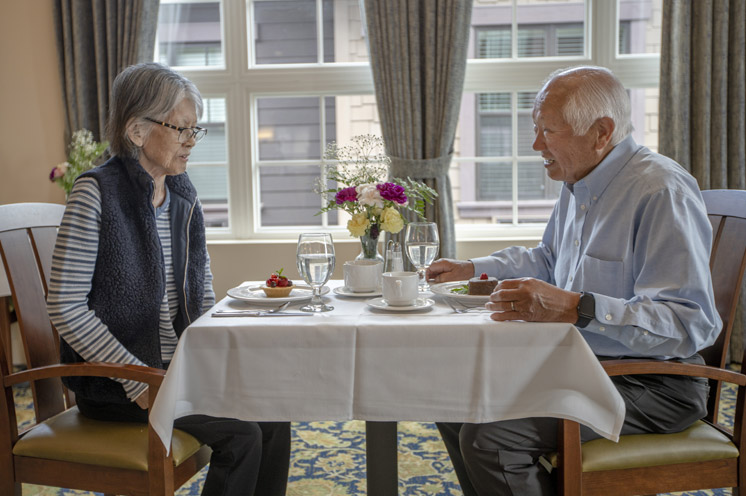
x=367, y=194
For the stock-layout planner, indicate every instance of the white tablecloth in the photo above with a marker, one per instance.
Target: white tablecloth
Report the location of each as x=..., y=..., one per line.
x=357, y=362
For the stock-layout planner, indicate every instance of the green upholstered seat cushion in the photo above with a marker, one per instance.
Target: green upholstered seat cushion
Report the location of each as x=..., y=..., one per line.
x=700, y=442
x=69, y=436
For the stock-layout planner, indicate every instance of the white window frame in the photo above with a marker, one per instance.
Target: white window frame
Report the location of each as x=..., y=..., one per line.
x=241, y=84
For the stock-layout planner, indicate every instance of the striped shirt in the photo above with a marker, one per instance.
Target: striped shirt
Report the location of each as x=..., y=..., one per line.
x=73, y=264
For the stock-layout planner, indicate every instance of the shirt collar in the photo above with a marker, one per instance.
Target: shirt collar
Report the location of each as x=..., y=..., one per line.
x=601, y=176
x=162, y=208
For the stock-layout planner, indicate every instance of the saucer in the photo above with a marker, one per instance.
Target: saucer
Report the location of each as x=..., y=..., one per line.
x=344, y=291
x=420, y=304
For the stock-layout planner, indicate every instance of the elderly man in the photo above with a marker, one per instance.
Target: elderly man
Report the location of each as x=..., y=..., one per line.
x=624, y=257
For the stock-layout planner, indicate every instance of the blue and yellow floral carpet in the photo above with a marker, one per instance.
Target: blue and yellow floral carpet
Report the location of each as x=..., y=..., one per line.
x=328, y=459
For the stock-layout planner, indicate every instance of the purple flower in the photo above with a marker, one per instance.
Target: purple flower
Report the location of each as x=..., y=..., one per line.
x=58, y=171
x=392, y=192
x=346, y=194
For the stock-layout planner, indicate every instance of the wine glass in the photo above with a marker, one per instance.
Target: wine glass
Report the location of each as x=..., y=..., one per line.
x=315, y=259
x=422, y=243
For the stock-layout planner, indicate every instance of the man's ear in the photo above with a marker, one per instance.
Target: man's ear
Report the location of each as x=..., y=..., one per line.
x=136, y=132
x=605, y=127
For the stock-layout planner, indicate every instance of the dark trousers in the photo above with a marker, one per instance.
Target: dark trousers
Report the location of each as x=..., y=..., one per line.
x=248, y=458
x=502, y=458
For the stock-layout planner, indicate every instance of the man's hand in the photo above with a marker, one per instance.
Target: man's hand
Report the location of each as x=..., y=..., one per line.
x=446, y=269
x=533, y=300
x=143, y=399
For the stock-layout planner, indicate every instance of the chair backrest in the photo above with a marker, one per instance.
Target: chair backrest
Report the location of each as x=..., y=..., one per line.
x=726, y=210
x=27, y=235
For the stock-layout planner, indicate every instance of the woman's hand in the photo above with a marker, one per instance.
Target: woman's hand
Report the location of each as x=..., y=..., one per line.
x=533, y=300
x=446, y=269
x=143, y=399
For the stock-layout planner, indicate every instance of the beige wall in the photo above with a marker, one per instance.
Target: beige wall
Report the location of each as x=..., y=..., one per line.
x=32, y=123
x=32, y=131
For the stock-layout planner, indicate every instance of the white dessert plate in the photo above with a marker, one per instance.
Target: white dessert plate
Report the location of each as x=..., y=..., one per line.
x=420, y=304
x=446, y=289
x=344, y=291
x=254, y=294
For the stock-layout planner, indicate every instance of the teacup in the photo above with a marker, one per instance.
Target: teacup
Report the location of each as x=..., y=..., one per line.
x=363, y=276
x=400, y=288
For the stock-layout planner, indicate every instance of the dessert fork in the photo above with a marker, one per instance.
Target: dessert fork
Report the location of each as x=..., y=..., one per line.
x=463, y=308
x=271, y=310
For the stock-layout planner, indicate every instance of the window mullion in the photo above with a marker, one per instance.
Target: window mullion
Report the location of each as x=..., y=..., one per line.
x=322, y=145
x=514, y=158
x=319, y=31
x=514, y=30
x=603, y=21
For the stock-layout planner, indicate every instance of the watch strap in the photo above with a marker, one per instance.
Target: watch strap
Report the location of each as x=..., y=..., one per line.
x=586, y=309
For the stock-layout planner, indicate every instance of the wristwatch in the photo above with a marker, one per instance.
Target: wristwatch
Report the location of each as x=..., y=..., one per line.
x=586, y=309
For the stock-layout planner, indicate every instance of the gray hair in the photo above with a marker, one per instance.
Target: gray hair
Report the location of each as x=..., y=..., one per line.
x=145, y=90
x=596, y=93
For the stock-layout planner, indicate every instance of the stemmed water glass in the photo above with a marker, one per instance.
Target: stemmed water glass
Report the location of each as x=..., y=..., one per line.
x=422, y=244
x=315, y=259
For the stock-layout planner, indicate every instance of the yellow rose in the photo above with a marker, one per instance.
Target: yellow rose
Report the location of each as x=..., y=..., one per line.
x=358, y=224
x=391, y=220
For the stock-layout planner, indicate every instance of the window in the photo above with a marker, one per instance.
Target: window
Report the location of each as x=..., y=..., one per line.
x=210, y=170
x=499, y=179
x=283, y=78
x=189, y=34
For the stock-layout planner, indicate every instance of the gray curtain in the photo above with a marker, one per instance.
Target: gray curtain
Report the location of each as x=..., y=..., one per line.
x=96, y=39
x=703, y=90
x=418, y=58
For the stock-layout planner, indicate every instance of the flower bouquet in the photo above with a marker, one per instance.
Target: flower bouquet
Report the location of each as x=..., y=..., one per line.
x=83, y=152
x=365, y=192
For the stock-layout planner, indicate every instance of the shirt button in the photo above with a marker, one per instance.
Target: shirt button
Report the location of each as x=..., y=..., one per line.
x=595, y=198
x=582, y=207
x=602, y=328
x=577, y=243
x=570, y=278
x=608, y=316
x=645, y=332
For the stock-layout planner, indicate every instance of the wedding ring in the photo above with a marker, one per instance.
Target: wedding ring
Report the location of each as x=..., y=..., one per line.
x=512, y=305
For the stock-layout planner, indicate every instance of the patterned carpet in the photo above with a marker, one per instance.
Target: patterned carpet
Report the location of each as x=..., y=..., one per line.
x=328, y=459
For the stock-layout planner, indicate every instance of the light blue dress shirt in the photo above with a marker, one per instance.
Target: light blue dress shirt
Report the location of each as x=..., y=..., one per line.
x=635, y=233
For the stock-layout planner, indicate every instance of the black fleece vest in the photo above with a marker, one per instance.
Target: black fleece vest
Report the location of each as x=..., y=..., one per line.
x=129, y=279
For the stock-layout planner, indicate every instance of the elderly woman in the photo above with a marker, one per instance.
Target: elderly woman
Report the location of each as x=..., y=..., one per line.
x=131, y=270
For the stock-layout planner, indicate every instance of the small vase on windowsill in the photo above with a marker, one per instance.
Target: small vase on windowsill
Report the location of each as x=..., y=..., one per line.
x=369, y=245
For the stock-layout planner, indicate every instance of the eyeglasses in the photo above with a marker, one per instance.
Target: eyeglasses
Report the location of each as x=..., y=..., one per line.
x=185, y=133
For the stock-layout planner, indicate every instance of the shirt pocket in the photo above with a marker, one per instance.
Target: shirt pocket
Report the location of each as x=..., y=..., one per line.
x=602, y=276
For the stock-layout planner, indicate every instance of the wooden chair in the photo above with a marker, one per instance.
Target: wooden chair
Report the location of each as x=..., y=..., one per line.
x=63, y=448
x=706, y=455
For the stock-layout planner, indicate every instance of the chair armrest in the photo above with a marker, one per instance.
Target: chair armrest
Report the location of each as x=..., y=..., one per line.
x=643, y=366
x=569, y=452
x=149, y=375
x=160, y=464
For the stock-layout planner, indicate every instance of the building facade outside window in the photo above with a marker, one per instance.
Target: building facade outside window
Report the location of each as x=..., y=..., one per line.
x=283, y=78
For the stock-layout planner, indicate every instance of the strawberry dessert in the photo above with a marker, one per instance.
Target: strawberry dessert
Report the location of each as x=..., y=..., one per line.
x=277, y=286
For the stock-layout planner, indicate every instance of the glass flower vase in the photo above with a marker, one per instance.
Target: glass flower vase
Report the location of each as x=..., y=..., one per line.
x=369, y=245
